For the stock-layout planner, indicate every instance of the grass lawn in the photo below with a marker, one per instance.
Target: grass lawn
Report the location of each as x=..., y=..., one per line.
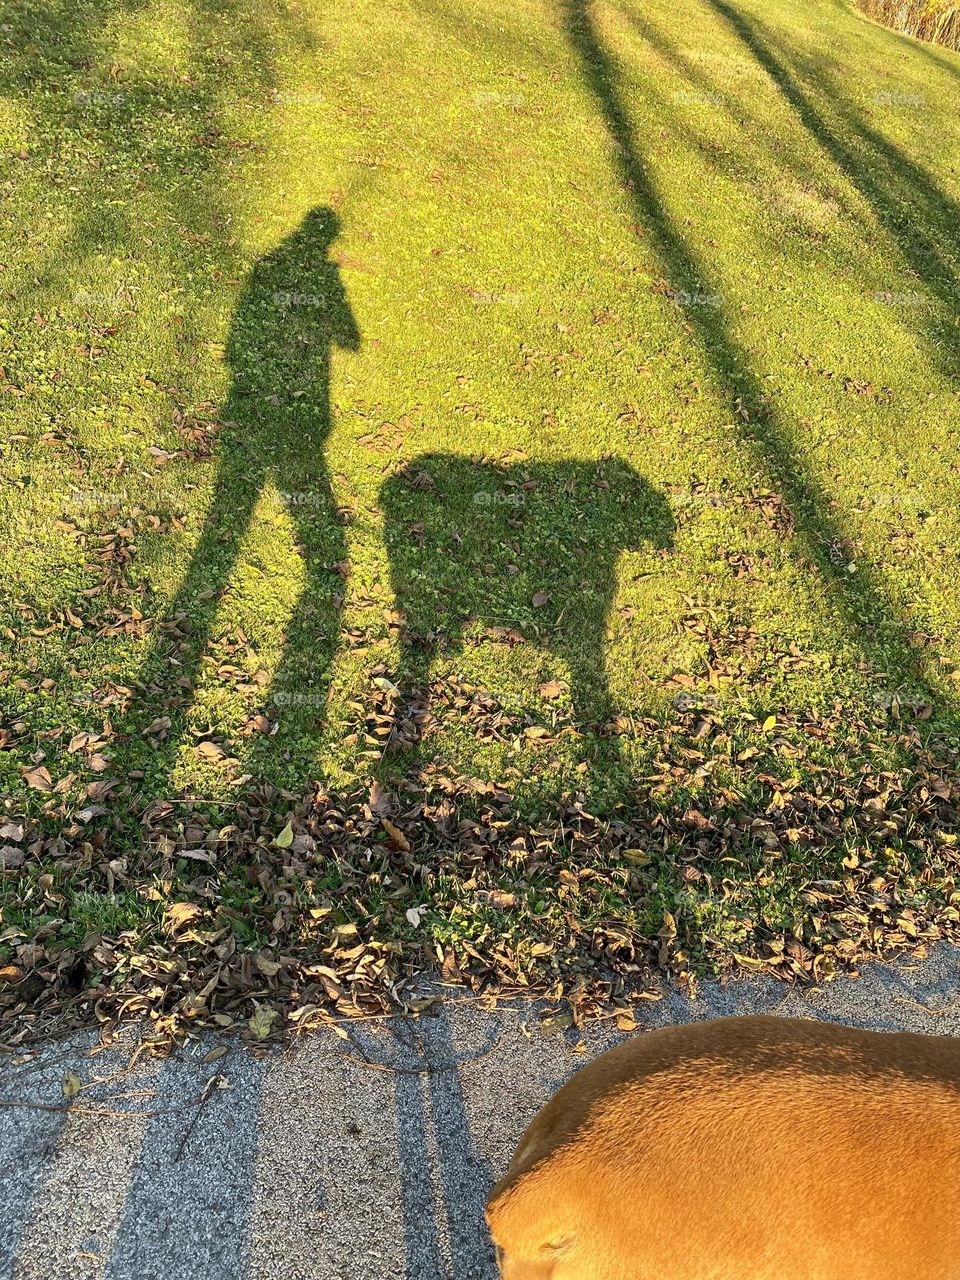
x=479, y=488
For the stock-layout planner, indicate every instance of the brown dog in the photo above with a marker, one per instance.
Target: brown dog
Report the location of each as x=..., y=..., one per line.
x=742, y=1149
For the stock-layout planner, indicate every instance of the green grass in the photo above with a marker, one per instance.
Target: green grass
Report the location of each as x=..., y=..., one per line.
x=608, y=350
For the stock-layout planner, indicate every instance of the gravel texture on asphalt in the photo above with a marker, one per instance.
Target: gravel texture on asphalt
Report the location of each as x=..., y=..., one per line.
x=332, y=1159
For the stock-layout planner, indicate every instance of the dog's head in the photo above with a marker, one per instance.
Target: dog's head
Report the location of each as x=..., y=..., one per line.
x=527, y=1247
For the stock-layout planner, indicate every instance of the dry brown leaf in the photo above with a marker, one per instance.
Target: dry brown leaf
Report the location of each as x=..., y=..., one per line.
x=179, y=914
x=397, y=838
x=268, y=967
x=552, y=689
x=500, y=898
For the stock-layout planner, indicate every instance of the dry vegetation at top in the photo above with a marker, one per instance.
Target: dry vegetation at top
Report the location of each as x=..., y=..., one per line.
x=935, y=20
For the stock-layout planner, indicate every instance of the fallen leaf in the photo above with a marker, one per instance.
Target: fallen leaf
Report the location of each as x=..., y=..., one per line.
x=397, y=838
x=38, y=778
x=552, y=689
x=98, y=790
x=500, y=898
x=269, y=968
x=180, y=913
x=554, y=1023
x=90, y=812
x=639, y=857
x=261, y=1022
x=285, y=839
x=379, y=800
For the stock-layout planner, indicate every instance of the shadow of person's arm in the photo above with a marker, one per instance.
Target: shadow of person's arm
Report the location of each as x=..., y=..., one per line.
x=344, y=329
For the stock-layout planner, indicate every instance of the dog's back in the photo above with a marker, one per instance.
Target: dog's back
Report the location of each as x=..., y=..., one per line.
x=742, y=1149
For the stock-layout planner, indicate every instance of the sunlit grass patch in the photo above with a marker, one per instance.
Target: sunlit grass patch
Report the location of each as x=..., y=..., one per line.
x=493, y=423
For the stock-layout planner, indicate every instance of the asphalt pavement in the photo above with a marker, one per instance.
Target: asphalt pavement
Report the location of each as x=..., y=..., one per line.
x=331, y=1159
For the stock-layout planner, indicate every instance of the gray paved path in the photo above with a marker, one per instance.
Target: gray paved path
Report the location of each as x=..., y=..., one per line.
x=311, y=1165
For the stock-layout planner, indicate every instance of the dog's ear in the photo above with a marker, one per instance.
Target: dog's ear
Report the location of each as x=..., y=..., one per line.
x=531, y=1223
x=539, y=1268
x=557, y=1250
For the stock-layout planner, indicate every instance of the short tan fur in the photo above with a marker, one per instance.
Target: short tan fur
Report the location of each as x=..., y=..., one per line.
x=742, y=1149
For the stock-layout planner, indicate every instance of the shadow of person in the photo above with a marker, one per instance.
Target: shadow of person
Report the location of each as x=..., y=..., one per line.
x=525, y=550
x=444, y=1183
x=291, y=314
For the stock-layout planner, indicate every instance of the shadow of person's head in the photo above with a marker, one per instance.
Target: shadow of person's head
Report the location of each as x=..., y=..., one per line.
x=319, y=228
x=292, y=312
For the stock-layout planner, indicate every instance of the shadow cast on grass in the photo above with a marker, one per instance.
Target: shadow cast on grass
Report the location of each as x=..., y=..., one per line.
x=291, y=315
x=875, y=168
x=524, y=552
x=868, y=615
x=166, y=134
x=921, y=220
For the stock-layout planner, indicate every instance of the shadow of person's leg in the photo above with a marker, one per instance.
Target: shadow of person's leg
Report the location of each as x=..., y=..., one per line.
x=465, y=1179
x=158, y=722
x=444, y=1182
x=424, y=1255
x=418, y=707
x=592, y=709
x=299, y=691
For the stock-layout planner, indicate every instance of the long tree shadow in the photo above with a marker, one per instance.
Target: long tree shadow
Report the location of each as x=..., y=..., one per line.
x=876, y=171
x=758, y=150
x=291, y=315
x=525, y=550
x=944, y=59
x=919, y=217
x=869, y=616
